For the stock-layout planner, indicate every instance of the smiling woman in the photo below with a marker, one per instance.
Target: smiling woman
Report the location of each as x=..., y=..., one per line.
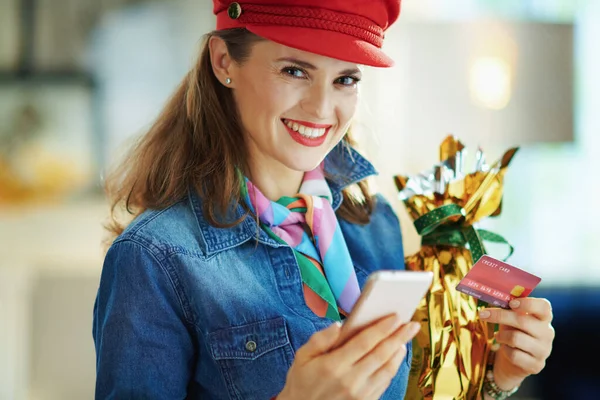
x=253, y=229
x=281, y=90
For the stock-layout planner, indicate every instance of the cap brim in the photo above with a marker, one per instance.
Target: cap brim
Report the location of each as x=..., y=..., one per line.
x=327, y=43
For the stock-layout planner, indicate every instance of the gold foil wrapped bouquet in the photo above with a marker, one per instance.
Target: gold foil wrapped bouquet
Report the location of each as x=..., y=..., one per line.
x=451, y=350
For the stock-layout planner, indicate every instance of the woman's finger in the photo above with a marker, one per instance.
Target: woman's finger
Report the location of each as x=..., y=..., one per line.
x=318, y=344
x=381, y=379
x=524, y=322
x=375, y=392
x=539, y=308
x=385, y=351
x=526, y=362
x=365, y=341
x=520, y=340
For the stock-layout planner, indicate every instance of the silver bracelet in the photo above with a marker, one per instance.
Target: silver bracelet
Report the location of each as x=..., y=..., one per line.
x=491, y=389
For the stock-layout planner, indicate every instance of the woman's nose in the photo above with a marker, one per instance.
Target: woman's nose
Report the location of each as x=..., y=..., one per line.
x=318, y=102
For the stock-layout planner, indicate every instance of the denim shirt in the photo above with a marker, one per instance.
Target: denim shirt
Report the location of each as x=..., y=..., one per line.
x=186, y=310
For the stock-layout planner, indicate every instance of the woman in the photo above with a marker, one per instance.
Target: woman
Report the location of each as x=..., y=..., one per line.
x=254, y=226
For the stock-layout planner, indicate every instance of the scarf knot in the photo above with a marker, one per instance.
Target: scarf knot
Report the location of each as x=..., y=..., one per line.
x=308, y=224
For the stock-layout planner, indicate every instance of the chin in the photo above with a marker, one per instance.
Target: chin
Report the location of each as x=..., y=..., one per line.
x=298, y=157
x=303, y=166
x=304, y=161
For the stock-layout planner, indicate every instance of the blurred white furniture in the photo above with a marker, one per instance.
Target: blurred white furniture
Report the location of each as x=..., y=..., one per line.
x=50, y=260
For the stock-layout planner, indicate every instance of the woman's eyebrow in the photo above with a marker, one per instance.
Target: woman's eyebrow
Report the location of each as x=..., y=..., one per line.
x=350, y=71
x=307, y=65
x=303, y=64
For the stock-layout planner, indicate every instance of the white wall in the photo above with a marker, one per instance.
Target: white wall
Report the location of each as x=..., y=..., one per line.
x=549, y=212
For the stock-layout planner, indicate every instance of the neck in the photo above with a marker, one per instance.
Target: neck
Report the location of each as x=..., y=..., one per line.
x=275, y=180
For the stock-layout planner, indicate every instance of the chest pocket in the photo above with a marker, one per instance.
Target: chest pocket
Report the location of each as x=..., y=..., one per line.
x=253, y=358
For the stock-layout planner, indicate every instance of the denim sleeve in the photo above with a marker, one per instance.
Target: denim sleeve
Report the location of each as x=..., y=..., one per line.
x=144, y=347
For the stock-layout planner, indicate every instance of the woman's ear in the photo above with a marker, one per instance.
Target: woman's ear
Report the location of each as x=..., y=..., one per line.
x=220, y=60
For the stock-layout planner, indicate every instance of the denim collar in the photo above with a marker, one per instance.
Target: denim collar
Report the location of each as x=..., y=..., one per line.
x=344, y=166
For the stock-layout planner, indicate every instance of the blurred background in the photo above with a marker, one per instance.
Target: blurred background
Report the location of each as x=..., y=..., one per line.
x=79, y=78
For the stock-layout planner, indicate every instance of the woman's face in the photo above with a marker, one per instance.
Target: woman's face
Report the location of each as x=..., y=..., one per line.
x=295, y=106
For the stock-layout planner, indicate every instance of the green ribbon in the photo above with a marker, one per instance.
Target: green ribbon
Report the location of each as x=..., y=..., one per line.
x=434, y=231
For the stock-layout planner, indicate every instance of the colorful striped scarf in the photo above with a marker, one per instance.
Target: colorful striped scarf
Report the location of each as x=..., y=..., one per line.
x=329, y=280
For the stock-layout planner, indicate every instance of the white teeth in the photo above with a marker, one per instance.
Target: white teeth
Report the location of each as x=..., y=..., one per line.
x=305, y=130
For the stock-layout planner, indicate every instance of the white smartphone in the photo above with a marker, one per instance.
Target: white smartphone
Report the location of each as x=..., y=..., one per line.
x=386, y=292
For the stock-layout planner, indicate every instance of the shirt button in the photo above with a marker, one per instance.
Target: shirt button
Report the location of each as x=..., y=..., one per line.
x=251, y=346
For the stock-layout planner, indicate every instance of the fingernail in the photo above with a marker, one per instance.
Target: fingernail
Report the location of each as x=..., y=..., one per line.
x=484, y=314
x=415, y=329
x=515, y=303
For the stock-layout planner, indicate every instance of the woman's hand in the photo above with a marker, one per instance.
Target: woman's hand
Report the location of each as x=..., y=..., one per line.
x=362, y=368
x=525, y=336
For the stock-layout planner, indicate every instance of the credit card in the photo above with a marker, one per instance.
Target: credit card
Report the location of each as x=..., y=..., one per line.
x=496, y=282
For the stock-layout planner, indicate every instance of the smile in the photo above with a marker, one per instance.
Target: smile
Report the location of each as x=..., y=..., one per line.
x=307, y=129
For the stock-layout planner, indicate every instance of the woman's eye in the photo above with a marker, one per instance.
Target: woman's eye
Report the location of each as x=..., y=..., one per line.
x=295, y=72
x=347, y=80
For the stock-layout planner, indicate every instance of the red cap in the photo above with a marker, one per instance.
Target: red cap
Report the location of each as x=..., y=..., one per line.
x=349, y=30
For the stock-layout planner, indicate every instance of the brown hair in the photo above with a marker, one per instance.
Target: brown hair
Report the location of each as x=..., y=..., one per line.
x=197, y=142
